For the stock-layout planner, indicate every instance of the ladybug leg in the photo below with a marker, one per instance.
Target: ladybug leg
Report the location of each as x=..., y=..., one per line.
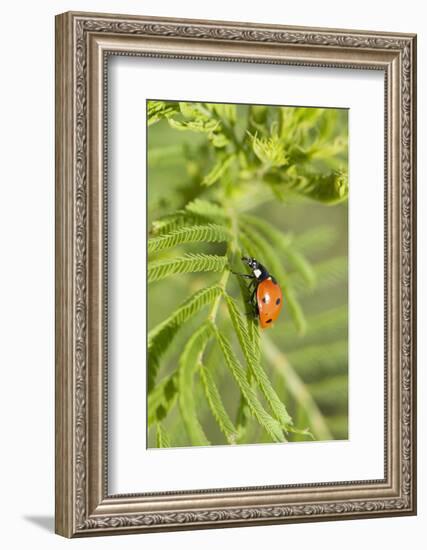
x=255, y=309
x=245, y=275
x=252, y=291
x=252, y=298
x=253, y=295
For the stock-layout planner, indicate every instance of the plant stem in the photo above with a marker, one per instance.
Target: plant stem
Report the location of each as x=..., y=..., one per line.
x=232, y=248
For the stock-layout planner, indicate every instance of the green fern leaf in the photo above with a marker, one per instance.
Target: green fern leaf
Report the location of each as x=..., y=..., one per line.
x=197, y=233
x=207, y=209
x=269, y=423
x=303, y=432
x=254, y=338
x=201, y=126
x=329, y=188
x=190, y=358
x=197, y=212
x=243, y=411
x=162, y=399
x=161, y=336
x=269, y=150
x=240, y=327
x=199, y=118
x=172, y=222
x=162, y=437
x=216, y=405
x=189, y=263
x=259, y=248
x=226, y=111
x=156, y=110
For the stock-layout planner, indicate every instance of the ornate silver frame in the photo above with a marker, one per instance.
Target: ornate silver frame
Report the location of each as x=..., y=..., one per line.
x=83, y=42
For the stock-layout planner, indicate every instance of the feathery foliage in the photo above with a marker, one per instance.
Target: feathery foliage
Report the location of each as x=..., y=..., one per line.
x=190, y=263
x=240, y=326
x=160, y=337
x=271, y=425
x=187, y=367
x=216, y=405
x=163, y=439
x=269, y=182
x=197, y=233
x=259, y=247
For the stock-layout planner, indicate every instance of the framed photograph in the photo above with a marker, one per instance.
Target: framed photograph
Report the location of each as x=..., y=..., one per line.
x=235, y=274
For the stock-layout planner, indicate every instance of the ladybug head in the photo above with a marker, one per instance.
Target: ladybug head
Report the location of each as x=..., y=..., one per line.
x=257, y=269
x=252, y=263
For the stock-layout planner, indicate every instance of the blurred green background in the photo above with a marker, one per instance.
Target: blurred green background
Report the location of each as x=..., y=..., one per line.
x=307, y=366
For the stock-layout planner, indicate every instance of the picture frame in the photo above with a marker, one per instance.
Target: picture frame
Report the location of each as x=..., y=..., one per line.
x=84, y=42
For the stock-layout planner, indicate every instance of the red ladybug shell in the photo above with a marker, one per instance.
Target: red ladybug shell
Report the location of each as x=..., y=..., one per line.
x=270, y=300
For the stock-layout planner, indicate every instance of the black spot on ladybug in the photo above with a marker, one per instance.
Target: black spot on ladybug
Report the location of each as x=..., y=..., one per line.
x=277, y=301
x=264, y=300
x=269, y=320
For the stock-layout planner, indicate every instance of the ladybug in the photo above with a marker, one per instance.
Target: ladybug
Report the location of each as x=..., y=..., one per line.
x=266, y=297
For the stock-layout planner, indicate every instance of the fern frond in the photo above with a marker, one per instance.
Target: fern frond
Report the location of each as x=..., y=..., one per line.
x=329, y=188
x=216, y=405
x=252, y=321
x=227, y=111
x=189, y=263
x=207, y=209
x=259, y=247
x=171, y=222
x=269, y=150
x=156, y=110
x=190, y=358
x=197, y=233
x=240, y=327
x=162, y=399
x=284, y=245
x=302, y=432
x=202, y=126
x=196, y=212
x=270, y=424
x=162, y=437
x=161, y=336
x=243, y=412
x=254, y=338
